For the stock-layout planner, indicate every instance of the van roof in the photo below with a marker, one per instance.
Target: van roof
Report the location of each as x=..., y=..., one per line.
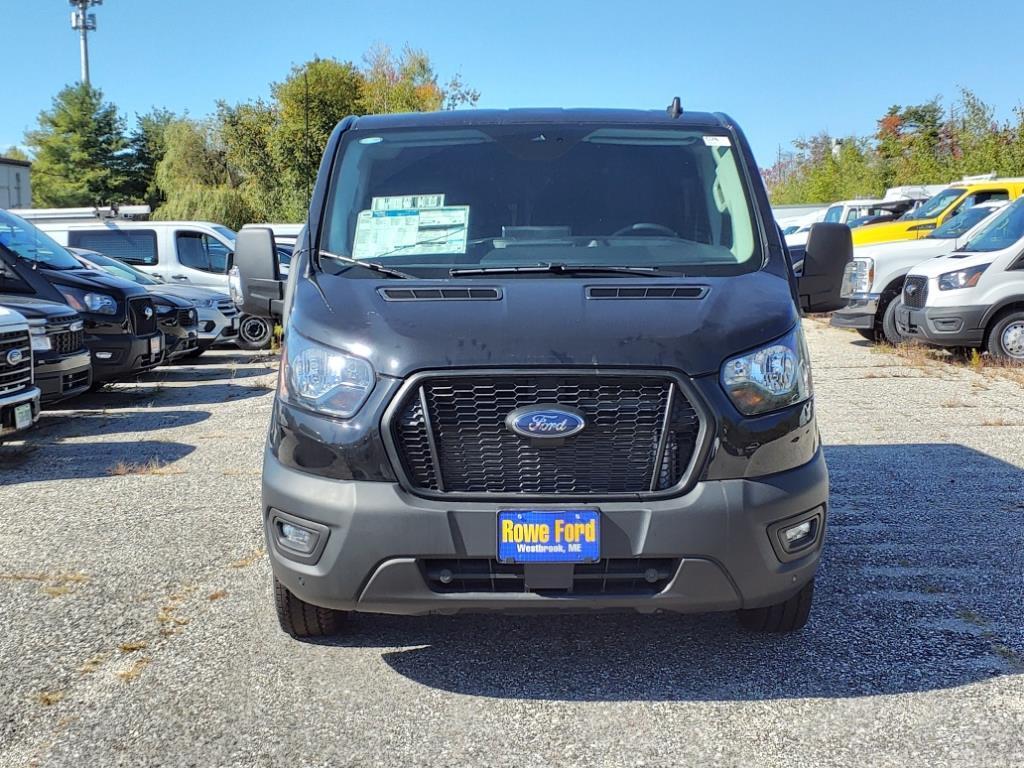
x=121, y=224
x=466, y=117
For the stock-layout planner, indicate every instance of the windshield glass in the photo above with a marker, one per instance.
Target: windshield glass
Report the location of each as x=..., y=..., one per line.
x=523, y=195
x=960, y=223
x=1005, y=229
x=118, y=269
x=834, y=215
x=24, y=240
x=933, y=206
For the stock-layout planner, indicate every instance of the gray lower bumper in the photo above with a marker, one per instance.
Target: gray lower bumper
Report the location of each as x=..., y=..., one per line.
x=944, y=326
x=860, y=312
x=377, y=534
x=8, y=403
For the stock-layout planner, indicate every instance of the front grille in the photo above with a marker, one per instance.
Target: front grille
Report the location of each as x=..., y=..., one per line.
x=610, y=576
x=227, y=307
x=186, y=318
x=70, y=381
x=66, y=342
x=142, y=325
x=15, y=377
x=915, y=292
x=451, y=436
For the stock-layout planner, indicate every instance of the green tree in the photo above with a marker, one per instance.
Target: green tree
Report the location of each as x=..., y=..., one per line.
x=79, y=149
x=145, y=151
x=14, y=153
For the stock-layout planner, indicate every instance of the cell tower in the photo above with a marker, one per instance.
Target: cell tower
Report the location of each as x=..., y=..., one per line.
x=84, y=22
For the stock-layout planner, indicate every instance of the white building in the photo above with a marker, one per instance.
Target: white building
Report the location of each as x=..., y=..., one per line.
x=15, y=185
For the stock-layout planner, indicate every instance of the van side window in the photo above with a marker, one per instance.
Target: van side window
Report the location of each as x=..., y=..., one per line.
x=201, y=251
x=132, y=246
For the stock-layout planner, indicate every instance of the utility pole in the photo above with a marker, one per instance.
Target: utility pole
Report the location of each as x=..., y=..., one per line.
x=84, y=22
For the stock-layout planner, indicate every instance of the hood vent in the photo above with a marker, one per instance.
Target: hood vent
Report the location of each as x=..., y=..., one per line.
x=440, y=294
x=648, y=292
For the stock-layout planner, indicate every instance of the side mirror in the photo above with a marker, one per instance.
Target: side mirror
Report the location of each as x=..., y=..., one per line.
x=260, y=289
x=829, y=249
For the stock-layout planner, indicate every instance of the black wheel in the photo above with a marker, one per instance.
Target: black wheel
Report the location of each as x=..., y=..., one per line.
x=300, y=619
x=787, y=616
x=254, y=332
x=1006, y=339
x=871, y=335
x=890, y=332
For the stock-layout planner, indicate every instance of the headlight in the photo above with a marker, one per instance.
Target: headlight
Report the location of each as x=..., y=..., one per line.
x=235, y=286
x=962, y=278
x=40, y=341
x=769, y=378
x=99, y=303
x=858, y=277
x=206, y=303
x=322, y=379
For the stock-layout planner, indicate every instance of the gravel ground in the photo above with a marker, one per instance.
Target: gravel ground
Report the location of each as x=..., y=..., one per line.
x=138, y=629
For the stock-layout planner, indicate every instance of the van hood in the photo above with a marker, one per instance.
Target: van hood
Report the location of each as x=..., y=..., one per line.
x=545, y=322
x=189, y=292
x=91, y=279
x=953, y=262
x=9, y=317
x=923, y=249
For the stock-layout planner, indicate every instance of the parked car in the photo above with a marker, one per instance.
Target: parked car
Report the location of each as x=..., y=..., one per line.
x=19, y=397
x=121, y=328
x=973, y=297
x=194, y=253
x=936, y=211
x=217, y=313
x=585, y=387
x=63, y=365
x=874, y=279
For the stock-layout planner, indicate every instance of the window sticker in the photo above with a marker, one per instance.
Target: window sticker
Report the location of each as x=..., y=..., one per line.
x=412, y=231
x=406, y=202
x=717, y=141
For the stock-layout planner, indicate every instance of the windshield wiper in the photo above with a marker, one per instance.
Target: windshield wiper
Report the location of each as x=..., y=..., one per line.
x=373, y=265
x=557, y=269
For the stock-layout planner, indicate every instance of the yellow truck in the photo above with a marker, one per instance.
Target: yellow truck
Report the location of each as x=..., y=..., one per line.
x=937, y=209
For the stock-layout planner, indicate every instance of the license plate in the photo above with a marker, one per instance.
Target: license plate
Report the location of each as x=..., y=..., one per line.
x=23, y=416
x=154, y=345
x=549, y=536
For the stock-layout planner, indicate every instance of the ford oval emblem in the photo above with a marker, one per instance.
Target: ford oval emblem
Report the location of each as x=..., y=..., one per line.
x=14, y=357
x=148, y=313
x=546, y=421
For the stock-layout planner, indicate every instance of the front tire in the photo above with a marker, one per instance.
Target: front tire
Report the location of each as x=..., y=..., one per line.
x=787, y=616
x=254, y=333
x=890, y=332
x=301, y=619
x=1006, y=339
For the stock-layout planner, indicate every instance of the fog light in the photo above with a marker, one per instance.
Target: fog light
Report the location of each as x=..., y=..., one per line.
x=104, y=355
x=297, y=538
x=797, y=532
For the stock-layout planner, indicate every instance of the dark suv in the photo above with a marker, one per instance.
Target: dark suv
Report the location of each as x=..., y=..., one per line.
x=62, y=364
x=121, y=326
x=543, y=360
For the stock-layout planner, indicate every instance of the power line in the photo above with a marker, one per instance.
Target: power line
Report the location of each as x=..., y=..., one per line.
x=84, y=22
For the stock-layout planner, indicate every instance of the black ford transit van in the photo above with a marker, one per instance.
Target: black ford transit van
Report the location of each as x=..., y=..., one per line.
x=120, y=321
x=542, y=360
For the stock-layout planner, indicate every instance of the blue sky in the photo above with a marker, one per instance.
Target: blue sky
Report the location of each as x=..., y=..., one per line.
x=783, y=70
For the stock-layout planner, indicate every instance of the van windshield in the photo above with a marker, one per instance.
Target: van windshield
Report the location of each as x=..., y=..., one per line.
x=525, y=195
x=1002, y=232
x=24, y=240
x=959, y=224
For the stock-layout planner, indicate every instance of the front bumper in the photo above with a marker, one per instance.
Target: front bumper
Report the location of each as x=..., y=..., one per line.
x=8, y=403
x=61, y=378
x=215, y=327
x=860, y=312
x=119, y=356
x=943, y=326
x=377, y=537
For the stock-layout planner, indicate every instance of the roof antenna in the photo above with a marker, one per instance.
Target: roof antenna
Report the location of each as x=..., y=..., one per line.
x=675, y=109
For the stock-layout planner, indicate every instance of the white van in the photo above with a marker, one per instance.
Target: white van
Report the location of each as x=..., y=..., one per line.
x=874, y=279
x=973, y=297
x=178, y=252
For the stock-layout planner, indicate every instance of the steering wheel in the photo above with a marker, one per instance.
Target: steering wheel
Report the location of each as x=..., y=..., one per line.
x=645, y=228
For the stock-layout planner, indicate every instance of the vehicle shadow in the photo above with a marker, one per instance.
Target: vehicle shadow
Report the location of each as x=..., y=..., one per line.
x=919, y=589
x=154, y=394
x=203, y=373
x=39, y=462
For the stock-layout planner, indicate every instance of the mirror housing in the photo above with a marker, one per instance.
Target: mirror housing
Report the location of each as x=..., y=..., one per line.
x=259, y=285
x=829, y=249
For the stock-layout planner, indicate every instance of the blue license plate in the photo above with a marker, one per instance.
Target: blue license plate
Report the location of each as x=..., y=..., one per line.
x=549, y=536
